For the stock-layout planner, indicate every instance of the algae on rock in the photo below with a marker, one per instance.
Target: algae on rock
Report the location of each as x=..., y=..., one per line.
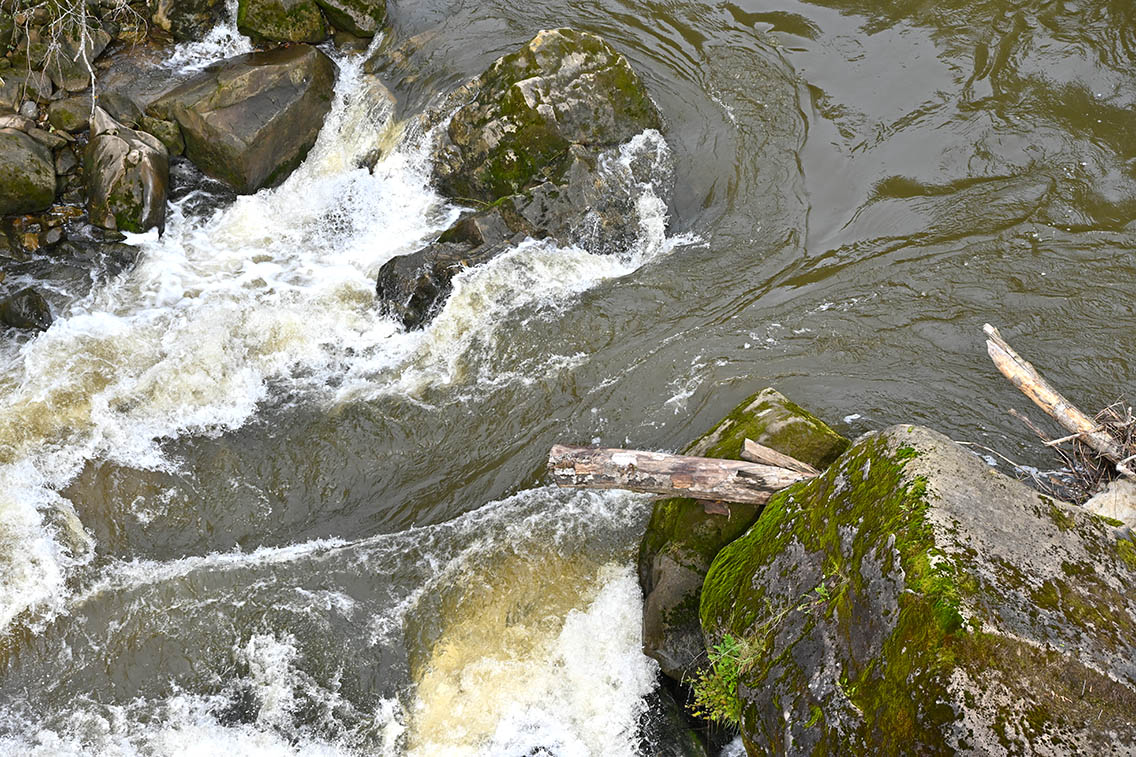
x=912, y=599
x=682, y=538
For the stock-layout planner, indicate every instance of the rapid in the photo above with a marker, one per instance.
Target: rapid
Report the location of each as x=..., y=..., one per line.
x=242, y=510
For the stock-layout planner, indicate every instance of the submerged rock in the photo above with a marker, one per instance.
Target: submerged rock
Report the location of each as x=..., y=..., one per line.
x=363, y=18
x=250, y=120
x=564, y=88
x=187, y=20
x=913, y=600
x=281, y=21
x=128, y=176
x=26, y=309
x=682, y=539
x=27, y=174
x=536, y=144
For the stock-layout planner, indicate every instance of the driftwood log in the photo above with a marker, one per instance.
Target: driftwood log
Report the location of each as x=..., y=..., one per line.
x=1026, y=378
x=705, y=478
x=759, y=453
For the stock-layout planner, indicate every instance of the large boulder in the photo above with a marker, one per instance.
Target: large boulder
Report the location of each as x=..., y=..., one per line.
x=128, y=176
x=187, y=19
x=913, y=600
x=564, y=88
x=281, y=21
x=537, y=143
x=250, y=120
x=363, y=18
x=27, y=174
x=682, y=538
x=21, y=86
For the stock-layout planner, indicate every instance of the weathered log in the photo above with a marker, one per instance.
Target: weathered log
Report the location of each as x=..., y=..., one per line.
x=671, y=475
x=1026, y=378
x=759, y=453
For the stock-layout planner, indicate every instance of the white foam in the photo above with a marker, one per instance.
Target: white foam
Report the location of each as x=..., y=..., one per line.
x=223, y=41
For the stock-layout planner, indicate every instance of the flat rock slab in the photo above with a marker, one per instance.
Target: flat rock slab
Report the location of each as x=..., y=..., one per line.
x=914, y=600
x=251, y=120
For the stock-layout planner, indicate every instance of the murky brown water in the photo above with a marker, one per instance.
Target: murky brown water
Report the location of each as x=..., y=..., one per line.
x=865, y=184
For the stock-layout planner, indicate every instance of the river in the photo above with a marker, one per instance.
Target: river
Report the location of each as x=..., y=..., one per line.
x=243, y=512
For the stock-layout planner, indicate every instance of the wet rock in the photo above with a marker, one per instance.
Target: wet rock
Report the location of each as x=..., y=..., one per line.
x=563, y=88
x=26, y=309
x=167, y=131
x=187, y=20
x=541, y=133
x=363, y=18
x=127, y=176
x=71, y=114
x=71, y=66
x=664, y=731
x=682, y=539
x=281, y=21
x=413, y=287
x=27, y=174
x=914, y=600
x=65, y=162
x=250, y=120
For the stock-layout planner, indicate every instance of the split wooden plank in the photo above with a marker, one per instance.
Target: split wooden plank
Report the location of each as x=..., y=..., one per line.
x=759, y=453
x=1026, y=378
x=670, y=475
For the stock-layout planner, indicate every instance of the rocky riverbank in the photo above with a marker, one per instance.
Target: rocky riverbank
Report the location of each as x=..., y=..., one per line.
x=908, y=599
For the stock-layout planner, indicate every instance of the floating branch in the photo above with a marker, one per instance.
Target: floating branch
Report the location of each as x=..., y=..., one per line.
x=705, y=478
x=1026, y=378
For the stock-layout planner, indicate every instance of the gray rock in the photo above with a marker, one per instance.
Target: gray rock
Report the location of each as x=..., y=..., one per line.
x=1117, y=501
x=47, y=139
x=281, y=21
x=65, y=162
x=121, y=107
x=914, y=600
x=27, y=174
x=71, y=114
x=363, y=18
x=26, y=309
x=128, y=175
x=17, y=122
x=167, y=131
x=20, y=86
x=563, y=88
x=541, y=133
x=71, y=70
x=187, y=20
x=250, y=120
x=29, y=109
x=682, y=539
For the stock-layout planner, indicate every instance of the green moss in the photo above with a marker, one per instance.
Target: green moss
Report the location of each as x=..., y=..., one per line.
x=864, y=507
x=281, y=20
x=1063, y=519
x=1126, y=551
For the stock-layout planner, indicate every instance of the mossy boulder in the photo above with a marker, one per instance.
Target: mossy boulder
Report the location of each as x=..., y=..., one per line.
x=564, y=88
x=128, y=176
x=251, y=120
x=913, y=600
x=281, y=21
x=363, y=18
x=187, y=20
x=682, y=539
x=71, y=114
x=27, y=174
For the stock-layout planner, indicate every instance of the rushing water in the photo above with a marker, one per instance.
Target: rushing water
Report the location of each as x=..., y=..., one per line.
x=241, y=511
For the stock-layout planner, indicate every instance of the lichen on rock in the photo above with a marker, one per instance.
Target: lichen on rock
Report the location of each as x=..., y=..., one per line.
x=682, y=539
x=912, y=599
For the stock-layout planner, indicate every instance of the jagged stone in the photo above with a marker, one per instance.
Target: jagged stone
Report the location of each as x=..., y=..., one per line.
x=914, y=600
x=250, y=120
x=128, y=174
